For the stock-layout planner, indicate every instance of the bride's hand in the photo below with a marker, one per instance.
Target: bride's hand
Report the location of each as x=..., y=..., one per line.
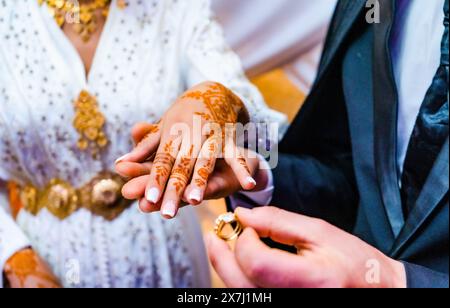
x=221, y=183
x=184, y=155
x=26, y=269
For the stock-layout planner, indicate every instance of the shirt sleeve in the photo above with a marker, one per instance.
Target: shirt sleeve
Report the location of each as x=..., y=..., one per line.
x=12, y=239
x=258, y=198
x=209, y=58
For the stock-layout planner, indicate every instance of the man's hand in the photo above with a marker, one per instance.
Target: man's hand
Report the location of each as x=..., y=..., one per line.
x=26, y=269
x=326, y=257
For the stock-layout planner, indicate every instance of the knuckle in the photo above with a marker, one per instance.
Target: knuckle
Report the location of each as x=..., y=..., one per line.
x=320, y=225
x=214, y=260
x=257, y=269
x=269, y=211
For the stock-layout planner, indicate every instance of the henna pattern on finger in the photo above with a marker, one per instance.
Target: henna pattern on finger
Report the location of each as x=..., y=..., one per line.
x=203, y=173
x=168, y=148
x=182, y=172
x=164, y=162
x=241, y=160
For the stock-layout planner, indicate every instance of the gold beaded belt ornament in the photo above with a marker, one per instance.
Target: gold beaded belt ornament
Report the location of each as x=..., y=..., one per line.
x=102, y=196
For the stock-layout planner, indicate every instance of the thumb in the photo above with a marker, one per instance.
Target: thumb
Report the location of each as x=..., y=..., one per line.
x=141, y=130
x=279, y=225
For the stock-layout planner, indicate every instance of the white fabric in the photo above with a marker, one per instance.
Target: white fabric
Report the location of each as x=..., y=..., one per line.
x=273, y=34
x=148, y=55
x=416, y=51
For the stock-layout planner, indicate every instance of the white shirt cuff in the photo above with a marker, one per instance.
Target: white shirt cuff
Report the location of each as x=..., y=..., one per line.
x=259, y=198
x=12, y=240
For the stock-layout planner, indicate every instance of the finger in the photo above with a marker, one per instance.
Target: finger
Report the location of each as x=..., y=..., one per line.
x=161, y=169
x=146, y=207
x=269, y=268
x=203, y=168
x=222, y=182
x=238, y=164
x=135, y=188
x=221, y=186
x=141, y=130
x=133, y=170
x=281, y=226
x=179, y=179
x=225, y=264
x=217, y=188
x=145, y=148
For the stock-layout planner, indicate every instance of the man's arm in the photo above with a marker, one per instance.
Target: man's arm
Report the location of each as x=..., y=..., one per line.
x=422, y=277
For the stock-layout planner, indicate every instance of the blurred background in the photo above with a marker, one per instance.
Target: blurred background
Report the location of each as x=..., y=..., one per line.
x=280, y=43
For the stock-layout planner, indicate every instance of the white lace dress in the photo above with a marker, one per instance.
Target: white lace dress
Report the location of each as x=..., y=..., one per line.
x=148, y=54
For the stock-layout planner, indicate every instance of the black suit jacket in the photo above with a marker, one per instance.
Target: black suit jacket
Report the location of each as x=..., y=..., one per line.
x=338, y=159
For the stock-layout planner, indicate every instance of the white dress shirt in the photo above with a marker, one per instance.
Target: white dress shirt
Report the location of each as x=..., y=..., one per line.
x=416, y=52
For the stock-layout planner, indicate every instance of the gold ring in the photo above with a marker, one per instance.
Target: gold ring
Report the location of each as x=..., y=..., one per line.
x=228, y=219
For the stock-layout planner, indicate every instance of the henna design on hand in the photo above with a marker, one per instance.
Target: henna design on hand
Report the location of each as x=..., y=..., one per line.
x=223, y=105
x=26, y=269
x=153, y=129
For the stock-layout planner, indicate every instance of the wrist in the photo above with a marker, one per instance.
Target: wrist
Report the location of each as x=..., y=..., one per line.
x=398, y=275
x=392, y=275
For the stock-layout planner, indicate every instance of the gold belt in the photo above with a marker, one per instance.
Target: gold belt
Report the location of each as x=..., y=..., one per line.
x=101, y=196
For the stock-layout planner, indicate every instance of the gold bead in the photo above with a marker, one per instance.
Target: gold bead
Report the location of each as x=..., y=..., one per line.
x=82, y=144
x=91, y=133
x=60, y=3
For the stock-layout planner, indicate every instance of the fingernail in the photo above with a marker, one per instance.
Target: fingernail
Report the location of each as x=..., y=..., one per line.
x=195, y=195
x=140, y=209
x=152, y=195
x=122, y=158
x=143, y=206
x=251, y=180
x=168, y=209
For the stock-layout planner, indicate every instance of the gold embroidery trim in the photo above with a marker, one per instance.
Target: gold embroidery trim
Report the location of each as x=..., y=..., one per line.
x=89, y=123
x=83, y=16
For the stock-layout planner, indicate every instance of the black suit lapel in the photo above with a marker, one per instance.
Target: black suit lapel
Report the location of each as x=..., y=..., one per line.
x=347, y=11
x=435, y=189
x=385, y=122
x=357, y=77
